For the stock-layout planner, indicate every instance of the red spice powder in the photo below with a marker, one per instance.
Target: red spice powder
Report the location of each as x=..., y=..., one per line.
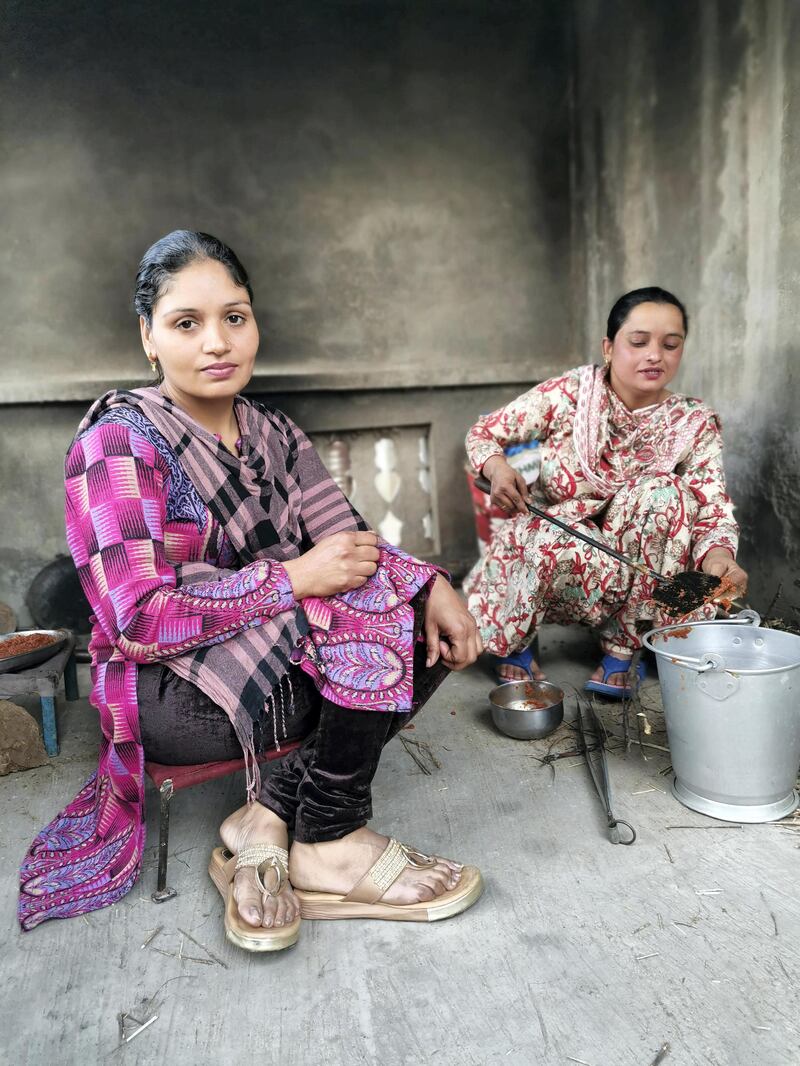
x=25, y=642
x=719, y=595
x=722, y=595
x=679, y=634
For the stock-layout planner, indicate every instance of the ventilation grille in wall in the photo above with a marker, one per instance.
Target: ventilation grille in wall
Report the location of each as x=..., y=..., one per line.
x=386, y=473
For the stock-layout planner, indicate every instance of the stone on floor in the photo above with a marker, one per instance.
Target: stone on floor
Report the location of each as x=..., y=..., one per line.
x=21, y=746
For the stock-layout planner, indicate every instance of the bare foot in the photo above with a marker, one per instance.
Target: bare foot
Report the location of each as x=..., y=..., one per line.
x=336, y=866
x=255, y=824
x=516, y=673
x=617, y=680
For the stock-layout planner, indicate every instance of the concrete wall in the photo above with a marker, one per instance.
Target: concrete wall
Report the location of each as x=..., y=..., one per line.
x=438, y=201
x=687, y=175
x=393, y=174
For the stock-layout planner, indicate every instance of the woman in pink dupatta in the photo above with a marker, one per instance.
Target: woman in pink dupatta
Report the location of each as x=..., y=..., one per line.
x=632, y=462
x=239, y=603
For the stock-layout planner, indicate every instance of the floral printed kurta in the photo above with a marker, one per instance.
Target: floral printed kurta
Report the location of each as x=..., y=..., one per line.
x=649, y=482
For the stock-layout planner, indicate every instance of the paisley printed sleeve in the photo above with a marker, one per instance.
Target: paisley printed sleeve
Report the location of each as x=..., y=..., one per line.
x=115, y=514
x=529, y=417
x=426, y=572
x=715, y=525
x=360, y=644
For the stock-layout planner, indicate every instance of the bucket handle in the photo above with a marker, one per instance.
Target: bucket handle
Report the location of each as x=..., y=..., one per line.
x=709, y=661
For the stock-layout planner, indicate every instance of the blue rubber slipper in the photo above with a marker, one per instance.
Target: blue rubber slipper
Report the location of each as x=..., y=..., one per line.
x=612, y=665
x=523, y=659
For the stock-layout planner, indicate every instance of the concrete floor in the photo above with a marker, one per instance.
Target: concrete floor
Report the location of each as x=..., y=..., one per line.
x=578, y=952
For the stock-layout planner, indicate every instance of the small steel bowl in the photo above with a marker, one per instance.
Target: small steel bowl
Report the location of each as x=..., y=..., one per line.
x=527, y=710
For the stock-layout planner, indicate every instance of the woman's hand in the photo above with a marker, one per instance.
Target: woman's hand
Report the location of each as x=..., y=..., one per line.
x=450, y=630
x=509, y=489
x=722, y=564
x=338, y=563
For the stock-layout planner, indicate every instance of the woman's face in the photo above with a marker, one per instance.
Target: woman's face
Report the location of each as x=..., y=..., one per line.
x=203, y=333
x=646, y=352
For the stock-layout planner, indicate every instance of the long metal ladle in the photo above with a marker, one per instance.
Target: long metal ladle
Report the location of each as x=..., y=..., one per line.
x=686, y=591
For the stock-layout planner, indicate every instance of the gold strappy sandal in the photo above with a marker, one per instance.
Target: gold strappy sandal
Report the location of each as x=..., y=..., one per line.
x=363, y=900
x=271, y=863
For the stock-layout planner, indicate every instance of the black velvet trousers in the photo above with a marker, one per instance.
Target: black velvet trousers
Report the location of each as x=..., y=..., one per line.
x=323, y=789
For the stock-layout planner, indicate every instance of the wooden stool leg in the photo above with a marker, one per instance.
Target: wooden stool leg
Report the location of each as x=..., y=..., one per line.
x=49, y=728
x=71, y=679
x=162, y=893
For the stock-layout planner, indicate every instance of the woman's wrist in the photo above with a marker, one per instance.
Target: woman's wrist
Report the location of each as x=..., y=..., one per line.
x=717, y=555
x=492, y=464
x=295, y=571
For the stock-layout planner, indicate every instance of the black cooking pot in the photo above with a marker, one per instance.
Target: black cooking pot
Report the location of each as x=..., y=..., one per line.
x=56, y=600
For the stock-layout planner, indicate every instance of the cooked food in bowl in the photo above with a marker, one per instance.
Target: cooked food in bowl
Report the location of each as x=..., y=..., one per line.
x=527, y=710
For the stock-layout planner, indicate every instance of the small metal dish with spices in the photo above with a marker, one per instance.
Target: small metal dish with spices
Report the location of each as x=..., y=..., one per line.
x=527, y=710
x=30, y=647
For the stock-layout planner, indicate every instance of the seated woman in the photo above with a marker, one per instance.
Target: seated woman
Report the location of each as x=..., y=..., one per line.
x=240, y=603
x=637, y=465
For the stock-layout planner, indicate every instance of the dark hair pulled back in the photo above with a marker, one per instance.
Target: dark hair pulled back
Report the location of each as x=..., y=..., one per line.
x=171, y=254
x=651, y=295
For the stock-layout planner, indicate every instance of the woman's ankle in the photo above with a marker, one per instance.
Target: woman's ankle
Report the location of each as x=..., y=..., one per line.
x=251, y=818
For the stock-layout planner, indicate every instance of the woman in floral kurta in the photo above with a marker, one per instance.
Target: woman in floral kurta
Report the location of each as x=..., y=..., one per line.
x=634, y=464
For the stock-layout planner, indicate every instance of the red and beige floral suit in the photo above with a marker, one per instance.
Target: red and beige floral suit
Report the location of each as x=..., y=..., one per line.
x=649, y=482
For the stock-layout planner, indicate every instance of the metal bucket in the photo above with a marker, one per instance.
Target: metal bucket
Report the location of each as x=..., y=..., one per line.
x=731, y=694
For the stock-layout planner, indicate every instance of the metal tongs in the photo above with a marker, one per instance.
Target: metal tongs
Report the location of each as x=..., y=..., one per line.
x=593, y=739
x=686, y=591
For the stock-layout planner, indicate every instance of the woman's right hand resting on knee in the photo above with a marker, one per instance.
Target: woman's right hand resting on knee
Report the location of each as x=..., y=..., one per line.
x=450, y=630
x=509, y=488
x=337, y=564
x=346, y=561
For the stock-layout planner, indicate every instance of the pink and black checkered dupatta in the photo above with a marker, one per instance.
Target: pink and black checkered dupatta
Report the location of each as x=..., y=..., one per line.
x=280, y=485
x=232, y=633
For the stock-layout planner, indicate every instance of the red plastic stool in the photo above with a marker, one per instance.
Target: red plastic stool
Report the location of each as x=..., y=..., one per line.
x=171, y=779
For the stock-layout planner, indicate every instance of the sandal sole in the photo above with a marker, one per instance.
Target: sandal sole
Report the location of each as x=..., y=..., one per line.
x=325, y=906
x=614, y=692
x=247, y=937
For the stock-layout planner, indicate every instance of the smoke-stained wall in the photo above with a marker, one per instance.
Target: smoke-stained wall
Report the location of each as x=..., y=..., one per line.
x=687, y=175
x=393, y=174
x=442, y=197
